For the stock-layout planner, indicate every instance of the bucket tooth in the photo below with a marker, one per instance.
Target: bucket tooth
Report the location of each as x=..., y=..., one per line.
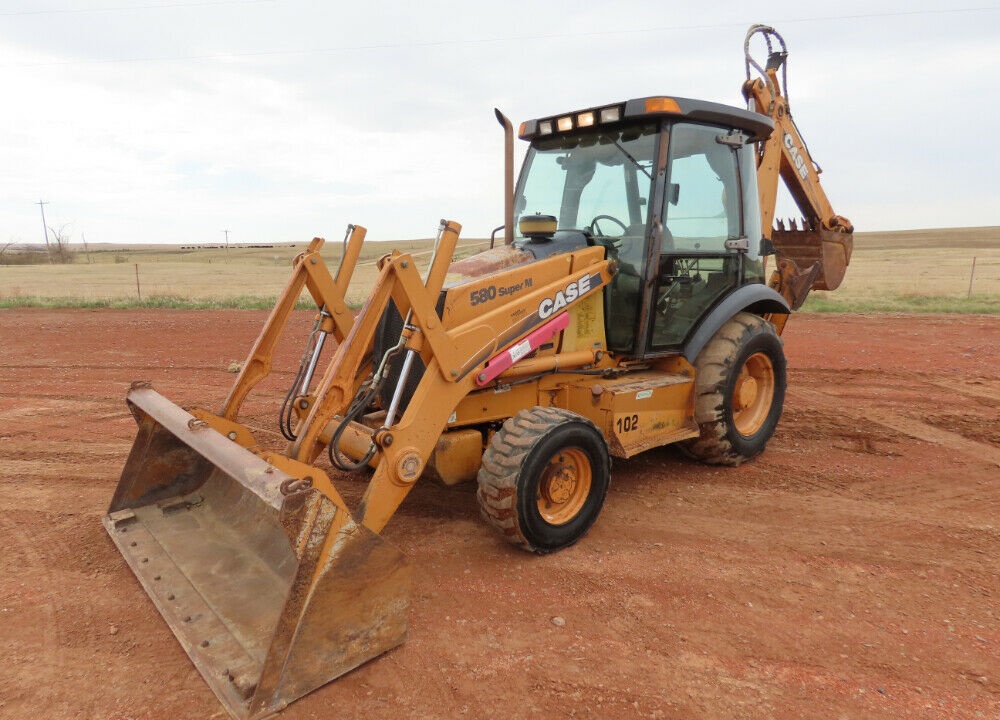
x=821, y=254
x=271, y=595
x=120, y=519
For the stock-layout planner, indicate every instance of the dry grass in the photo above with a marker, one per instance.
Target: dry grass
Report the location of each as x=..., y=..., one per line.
x=920, y=264
x=211, y=274
x=891, y=270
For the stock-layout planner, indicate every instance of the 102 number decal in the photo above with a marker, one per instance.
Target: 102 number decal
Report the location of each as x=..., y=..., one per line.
x=627, y=423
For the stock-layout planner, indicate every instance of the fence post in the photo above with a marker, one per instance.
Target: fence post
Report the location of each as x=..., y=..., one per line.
x=137, y=290
x=971, y=276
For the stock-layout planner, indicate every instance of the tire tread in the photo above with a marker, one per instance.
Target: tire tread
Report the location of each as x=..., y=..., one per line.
x=502, y=462
x=713, y=446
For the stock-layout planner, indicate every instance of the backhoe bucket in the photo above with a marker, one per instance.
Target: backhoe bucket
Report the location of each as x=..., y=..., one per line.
x=830, y=248
x=270, y=593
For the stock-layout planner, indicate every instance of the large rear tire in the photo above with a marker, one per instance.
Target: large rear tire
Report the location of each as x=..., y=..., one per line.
x=740, y=386
x=543, y=478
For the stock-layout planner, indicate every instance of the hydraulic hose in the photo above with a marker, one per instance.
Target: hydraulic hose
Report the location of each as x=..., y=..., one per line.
x=365, y=397
x=285, y=416
x=361, y=401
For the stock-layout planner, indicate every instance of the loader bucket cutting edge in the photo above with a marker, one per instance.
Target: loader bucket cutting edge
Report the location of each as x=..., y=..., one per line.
x=270, y=595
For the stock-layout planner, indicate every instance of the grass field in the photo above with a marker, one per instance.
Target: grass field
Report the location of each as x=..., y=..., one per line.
x=919, y=270
x=906, y=271
x=185, y=276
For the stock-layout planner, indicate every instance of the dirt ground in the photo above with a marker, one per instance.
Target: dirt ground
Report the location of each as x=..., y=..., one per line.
x=852, y=571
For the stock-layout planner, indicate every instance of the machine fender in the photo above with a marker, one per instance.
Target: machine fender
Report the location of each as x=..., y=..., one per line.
x=755, y=298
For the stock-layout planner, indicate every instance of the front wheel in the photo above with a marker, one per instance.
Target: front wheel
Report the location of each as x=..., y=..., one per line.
x=543, y=478
x=740, y=386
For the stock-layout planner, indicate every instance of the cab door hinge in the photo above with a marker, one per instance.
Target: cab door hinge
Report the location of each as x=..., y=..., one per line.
x=742, y=244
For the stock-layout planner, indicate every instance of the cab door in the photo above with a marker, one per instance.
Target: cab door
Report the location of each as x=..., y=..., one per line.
x=701, y=258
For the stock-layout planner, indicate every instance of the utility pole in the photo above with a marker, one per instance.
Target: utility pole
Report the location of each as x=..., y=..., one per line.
x=45, y=228
x=227, y=244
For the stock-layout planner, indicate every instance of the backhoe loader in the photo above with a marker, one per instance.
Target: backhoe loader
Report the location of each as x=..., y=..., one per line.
x=628, y=308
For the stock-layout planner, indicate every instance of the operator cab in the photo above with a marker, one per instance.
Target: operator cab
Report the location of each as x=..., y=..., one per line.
x=669, y=187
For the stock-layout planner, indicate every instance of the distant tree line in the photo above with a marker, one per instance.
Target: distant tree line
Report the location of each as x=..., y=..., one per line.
x=57, y=252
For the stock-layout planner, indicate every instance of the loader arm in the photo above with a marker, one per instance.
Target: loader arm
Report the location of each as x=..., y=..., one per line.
x=816, y=255
x=451, y=355
x=310, y=271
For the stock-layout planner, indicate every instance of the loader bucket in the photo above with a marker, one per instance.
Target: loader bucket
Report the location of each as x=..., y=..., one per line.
x=807, y=246
x=270, y=594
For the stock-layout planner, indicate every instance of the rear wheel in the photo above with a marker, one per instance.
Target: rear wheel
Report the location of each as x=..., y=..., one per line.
x=543, y=478
x=740, y=385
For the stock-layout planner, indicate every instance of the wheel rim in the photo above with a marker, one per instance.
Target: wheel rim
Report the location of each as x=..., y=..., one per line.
x=564, y=486
x=753, y=394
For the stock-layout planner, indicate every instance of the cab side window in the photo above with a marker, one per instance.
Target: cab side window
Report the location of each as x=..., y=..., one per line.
x=702, y=199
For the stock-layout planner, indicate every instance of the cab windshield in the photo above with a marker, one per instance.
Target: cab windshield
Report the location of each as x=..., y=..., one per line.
x=597, y=182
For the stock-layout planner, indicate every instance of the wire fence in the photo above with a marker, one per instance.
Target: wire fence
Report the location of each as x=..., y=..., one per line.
x=872, y=274
x=924, y=274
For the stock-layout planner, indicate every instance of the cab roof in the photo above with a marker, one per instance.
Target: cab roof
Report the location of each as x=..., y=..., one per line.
x=757, y=126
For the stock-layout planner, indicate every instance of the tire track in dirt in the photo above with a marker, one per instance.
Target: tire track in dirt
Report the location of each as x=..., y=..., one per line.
x=56, y=406
x=27, y=449
x=899, y=422
x=124, y=366
x=56, y=469
x=980, y=391
x=49, y=664
x=931, y=434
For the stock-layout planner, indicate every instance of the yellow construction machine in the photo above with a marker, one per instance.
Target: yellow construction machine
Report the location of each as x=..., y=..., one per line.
x=628, y=308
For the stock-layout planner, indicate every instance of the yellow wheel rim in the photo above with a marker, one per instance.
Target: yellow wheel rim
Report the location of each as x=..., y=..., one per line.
x=753, y=394
x=564, y=486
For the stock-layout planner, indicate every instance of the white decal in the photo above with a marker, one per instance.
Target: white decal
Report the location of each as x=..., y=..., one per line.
x=520, y=350
x=643, y=394
x=797, y=160
x=571, y=292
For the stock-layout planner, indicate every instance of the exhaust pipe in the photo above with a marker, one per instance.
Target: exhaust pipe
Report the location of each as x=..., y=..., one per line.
x=508, y=176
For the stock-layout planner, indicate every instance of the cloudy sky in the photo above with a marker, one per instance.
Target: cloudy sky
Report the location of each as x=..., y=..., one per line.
x=172, y=120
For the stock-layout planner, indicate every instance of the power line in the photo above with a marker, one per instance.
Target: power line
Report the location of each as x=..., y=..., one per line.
x=485, y=41
x=157, y=6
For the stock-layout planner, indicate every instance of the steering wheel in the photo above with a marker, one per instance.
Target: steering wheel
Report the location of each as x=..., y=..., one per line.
x=596, y=229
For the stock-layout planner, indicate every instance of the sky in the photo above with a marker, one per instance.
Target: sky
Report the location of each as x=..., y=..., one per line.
x=170, y=121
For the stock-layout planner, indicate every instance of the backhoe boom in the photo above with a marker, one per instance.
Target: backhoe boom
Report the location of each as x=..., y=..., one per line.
x=816, y=255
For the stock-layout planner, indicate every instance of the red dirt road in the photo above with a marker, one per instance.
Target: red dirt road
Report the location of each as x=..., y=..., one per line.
x=852, y=571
